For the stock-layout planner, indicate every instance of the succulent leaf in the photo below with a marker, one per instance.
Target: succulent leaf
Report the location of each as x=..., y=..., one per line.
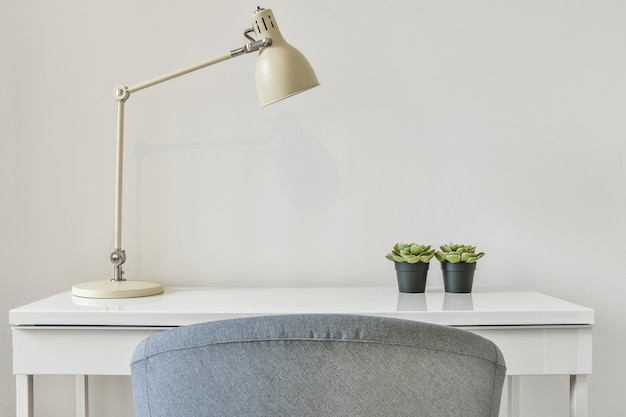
x=453, y=258
x=416, y=249
x=413, y=259
x=467, y=255
x=426, y=258
x=398, y=258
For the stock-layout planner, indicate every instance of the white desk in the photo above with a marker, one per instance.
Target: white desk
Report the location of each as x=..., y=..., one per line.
x=538, y=334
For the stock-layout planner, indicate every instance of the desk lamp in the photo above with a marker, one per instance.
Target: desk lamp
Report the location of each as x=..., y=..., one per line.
x=281, y=71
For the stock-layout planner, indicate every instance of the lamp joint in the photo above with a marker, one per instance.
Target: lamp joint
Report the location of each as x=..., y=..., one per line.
x=121, y=93
x=118, y=257
x=251, y=47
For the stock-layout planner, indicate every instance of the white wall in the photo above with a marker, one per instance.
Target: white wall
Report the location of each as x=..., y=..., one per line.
x=498, y=123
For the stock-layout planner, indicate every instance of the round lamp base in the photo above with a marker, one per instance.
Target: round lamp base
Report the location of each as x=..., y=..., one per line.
x=117, y=289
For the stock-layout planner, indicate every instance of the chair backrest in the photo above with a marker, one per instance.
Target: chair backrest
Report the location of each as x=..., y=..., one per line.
x=317, y=365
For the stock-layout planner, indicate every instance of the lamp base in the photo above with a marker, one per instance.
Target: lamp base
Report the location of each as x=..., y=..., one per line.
x=117, y=289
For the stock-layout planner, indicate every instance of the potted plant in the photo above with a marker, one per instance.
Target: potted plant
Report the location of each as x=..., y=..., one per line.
x=458, y=263
x=412, y=262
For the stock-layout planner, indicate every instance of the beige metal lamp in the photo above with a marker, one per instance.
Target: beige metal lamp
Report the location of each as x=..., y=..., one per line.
x=281, y=71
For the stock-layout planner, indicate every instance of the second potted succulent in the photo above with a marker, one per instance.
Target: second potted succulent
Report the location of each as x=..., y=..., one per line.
x=412, y=261
x=458, y=263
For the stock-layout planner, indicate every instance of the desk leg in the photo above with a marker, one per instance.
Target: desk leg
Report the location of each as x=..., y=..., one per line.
x=24, y=403
x=578, y=403
x=82, y=396
x=513, y=394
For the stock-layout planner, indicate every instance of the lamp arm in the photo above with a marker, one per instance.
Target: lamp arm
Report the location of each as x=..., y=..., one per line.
x=122, y=93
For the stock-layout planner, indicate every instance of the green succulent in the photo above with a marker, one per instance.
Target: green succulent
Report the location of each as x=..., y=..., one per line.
x=454, y=253
x=411, y=253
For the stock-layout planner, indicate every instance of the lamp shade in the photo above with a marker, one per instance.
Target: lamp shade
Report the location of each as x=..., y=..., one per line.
x=281, y=70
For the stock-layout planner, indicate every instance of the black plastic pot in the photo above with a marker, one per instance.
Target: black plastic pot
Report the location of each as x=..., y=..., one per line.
x=459, y=277
x=411, y=277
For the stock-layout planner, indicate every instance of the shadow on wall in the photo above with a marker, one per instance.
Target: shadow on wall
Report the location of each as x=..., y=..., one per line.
x=309, y=176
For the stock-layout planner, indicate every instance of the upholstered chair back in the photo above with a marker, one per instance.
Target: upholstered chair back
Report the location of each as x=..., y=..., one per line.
x=317, y=366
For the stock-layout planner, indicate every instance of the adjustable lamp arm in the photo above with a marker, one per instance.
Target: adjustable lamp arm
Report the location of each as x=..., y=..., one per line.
x=122, y=94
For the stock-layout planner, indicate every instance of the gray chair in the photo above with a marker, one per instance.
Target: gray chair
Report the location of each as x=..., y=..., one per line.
x=317, y=365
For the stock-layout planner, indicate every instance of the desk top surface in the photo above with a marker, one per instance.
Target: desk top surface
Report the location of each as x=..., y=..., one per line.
x=182, y=306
